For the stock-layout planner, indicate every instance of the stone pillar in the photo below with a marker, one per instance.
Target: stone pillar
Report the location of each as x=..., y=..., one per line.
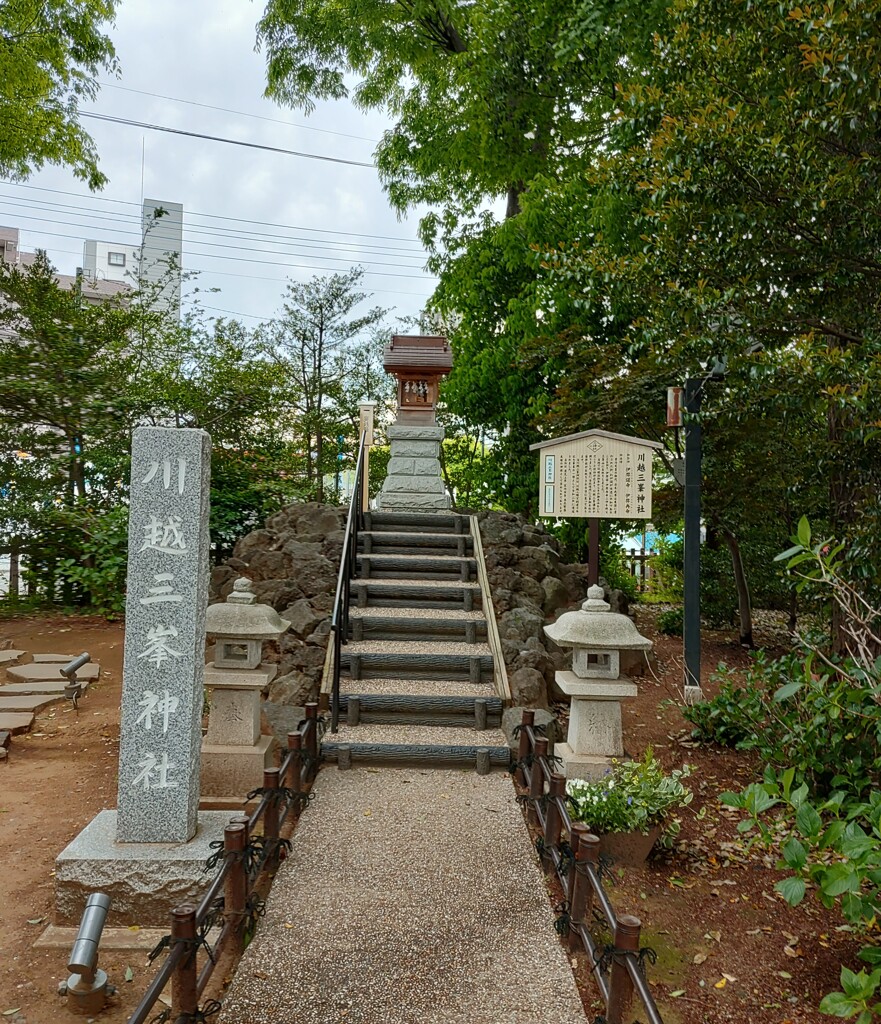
x=162, y=689
x=414, y=482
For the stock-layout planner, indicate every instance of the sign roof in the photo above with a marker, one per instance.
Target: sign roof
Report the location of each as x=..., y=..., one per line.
x=597, y=433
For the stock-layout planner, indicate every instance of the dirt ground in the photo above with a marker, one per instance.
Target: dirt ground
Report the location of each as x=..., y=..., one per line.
x=729, y=949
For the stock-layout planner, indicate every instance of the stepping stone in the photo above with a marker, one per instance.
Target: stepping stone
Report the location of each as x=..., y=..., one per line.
x=40, y=659
x=32, y=703
x=9, y=656
x=15, y=723
x=49, y=672
x=45, y=687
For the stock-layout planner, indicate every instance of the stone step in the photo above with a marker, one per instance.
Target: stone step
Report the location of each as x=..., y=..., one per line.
x=50, y=671
x=417, y=687
x=478, y=713
x=432, y=746
x=388, y=543
x=429, y=522
x=30, y=703
x=47, y=686
x=416, y=567
x=16, y=722
x=410, y=628
x=478, y=668
x=396, y=592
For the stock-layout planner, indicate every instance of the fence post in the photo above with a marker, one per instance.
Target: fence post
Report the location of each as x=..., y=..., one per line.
x=528, y=719
x=295, y=745
x=537, y=779
x=626, y=941
x=235, y=885
x=184, y=994
x=270, y=816
x=553, y=821
x=580, y=887
x=312, y=737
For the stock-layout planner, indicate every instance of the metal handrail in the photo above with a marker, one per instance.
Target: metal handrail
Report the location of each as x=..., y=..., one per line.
x=339, y=622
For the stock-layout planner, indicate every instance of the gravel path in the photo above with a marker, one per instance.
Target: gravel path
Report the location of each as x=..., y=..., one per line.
x=410, y=897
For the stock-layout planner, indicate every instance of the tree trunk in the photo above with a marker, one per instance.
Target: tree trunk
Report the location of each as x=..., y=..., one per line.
x=744, y=607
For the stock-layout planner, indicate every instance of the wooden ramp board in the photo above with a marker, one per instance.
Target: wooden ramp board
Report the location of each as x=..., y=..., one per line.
x=49, y=671
x=15, y=722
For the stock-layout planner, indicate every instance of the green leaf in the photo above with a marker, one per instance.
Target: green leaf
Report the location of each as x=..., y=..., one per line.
x=129, y=974
x=787, y=690
x=807, y=821
x=791, y=889
x=836, y=1004
x=795, y=854
x=804, y=532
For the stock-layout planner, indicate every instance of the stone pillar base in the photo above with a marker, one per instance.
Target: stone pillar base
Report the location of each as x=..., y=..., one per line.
x=414, y=482
x=235, y=770
x=145, y=881
x=589, y=767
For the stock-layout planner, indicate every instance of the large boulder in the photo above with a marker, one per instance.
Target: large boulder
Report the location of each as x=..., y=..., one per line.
x=302, y=617
x=520, y=624
x=528, y=688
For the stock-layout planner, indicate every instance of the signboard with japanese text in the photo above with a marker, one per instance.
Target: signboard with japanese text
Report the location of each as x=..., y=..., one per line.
x=163, y=671
x=596, y=475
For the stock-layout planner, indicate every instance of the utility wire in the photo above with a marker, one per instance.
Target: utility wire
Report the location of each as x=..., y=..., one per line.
x=67, y=210
x=216, y=245
x=213, y=216
x=240, y=113
x=218, y=138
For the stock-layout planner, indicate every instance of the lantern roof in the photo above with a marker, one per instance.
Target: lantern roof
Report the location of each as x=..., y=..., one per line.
x=595, y=627
x=241, y=617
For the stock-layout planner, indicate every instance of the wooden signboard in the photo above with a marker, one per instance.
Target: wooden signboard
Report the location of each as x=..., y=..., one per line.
x=595, y=475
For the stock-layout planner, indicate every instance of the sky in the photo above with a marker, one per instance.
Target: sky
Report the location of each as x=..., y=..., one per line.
x=252, y=218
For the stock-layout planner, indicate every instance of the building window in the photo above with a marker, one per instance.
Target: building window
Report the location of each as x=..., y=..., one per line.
x=116, y=259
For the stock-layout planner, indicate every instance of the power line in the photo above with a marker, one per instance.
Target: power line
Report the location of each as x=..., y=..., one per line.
x=212, y=216
x=272, y=263
x=217, y=245
x=240, y=113
x=62, y=209
x=218, y=138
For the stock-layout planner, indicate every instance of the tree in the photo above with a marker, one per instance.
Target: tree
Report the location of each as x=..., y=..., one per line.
x=312, y=343
x=50, y=54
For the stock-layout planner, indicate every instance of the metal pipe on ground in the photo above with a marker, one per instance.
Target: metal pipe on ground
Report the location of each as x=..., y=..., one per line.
x=87, y=984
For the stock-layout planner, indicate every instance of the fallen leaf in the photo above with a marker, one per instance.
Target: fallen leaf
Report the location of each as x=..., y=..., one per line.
x=715, y=936
x=728, y=977
x=784, y=974
x=699, y=958
x=9, y=1013
x=134, y=927
x=721, y=983
x=129, y=974
x=679, y=992
x=36, y=920
x=261, y=974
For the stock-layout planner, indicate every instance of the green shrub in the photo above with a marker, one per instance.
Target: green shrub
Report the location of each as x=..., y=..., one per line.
x=670, y=622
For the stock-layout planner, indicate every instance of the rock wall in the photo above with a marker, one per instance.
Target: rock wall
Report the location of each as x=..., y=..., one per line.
x=293, y=564
x=530, y=585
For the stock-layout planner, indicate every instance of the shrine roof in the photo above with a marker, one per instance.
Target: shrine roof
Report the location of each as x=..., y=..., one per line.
x=596, y=433
x=416, y=351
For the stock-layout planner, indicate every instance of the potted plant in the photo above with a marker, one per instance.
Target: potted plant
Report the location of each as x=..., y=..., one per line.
x=630, y=807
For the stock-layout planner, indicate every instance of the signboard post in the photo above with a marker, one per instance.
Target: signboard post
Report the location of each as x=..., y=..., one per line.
x=595, y=475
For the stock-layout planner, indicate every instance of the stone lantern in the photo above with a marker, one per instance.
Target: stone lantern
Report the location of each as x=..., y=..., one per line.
x=597, y=636
x=234, y=753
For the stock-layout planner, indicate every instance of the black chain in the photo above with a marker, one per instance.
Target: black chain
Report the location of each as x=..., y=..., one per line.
x=539, y=730
x=209, y=1009
x=604, y=869
x=561, y=924
x=646, y=953
x=192, y=945
x=254, y=907
x=567, y=857
x=162, y=1017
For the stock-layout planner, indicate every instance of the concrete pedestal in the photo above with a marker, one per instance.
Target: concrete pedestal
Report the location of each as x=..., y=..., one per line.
x=595, y=732
x=234, y=753
x=414, y=482
x=145, y=881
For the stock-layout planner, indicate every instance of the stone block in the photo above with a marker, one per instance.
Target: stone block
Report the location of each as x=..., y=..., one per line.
x=234, y=718
x=582, y=766
x=401, y=466
x=413, y=484
x=15, y=722
x=49, y=671
x=597, y=689
x=7, y=657
x=13, y=689
x=595, y=728
x=234, y=770
x=244, y=654
x=32, y=702
x=399, y=432
x=40, y=659
x=145, y=881
x=409, y=501
x=414, y=450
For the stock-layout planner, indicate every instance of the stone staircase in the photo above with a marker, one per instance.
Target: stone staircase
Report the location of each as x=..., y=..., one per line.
x=417, y=674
